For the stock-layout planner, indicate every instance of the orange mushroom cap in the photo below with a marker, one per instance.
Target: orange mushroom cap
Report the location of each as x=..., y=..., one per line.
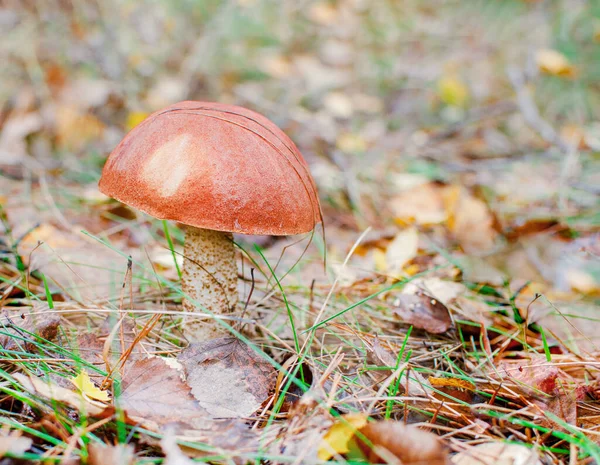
x=214, y=166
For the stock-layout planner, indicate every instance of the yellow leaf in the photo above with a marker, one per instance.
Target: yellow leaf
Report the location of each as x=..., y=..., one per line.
x=453, y=91
x=83, y=382
x=452, y=383
x=380, y=260
x=337, y=439
x=351, y=143
x=555, y=63
x=134, y=118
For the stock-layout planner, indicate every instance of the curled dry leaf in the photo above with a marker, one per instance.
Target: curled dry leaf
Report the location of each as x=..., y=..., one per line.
x=227, y=377
x=103, y=454
x=393, y=442
x=423, y=312
x=497, y=453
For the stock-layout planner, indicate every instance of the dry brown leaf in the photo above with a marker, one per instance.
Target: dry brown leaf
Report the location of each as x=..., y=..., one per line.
x=104, y=454
x=532, y=375
x=444, y=291
x=497, y=453
x=423, y=205
x=227, y=377
x=383, y=357
x=152, y=391
x=423, y=312
x=13, y=442
x=39, y=320
x=392, y=441
x=470, y=221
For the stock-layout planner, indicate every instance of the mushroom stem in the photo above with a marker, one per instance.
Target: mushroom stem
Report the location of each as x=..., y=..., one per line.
x=209, y=280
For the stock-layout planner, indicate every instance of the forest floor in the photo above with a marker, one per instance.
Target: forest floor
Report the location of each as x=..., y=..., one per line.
x=448, y=314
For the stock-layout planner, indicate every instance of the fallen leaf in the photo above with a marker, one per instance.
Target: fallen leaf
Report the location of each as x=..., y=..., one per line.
x=423, y=312
x=227, y=377
x=444, y=291
x=83, y=382
x=422, y=205
x=37, y=386
x=401, y=250
x=393, y=442
x=533, y=375
x=18, y=323
x=554, y=63
x=470, y=221
x=12, y=442
x=337, y=439
x=104, y=454
x=452, y=90
x=152, y=391
x=383, y=356
x=497, y=453
x=451, y=382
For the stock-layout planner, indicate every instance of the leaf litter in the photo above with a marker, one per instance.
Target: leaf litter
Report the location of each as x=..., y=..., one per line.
x=479, y=189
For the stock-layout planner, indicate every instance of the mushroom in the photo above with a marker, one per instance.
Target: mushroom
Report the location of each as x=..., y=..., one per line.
x=218, y=169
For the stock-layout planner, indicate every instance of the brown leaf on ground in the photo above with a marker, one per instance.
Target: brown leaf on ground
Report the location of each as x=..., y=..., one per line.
x=532, y=375
x=423, y=205
x=18, y=323
x=423, y=312
x=13, y=442
x=470, y=221
x=382, y=356
x=152, y=391
x=103, y=454
x=537, y=375
x=497, y=453
x=392, y=441
x=227, y=377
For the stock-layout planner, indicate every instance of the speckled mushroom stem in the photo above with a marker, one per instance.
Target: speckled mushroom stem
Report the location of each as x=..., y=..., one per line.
x=210, y=279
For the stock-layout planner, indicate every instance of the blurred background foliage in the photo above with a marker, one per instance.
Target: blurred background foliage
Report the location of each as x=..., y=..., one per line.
x=369, y=89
